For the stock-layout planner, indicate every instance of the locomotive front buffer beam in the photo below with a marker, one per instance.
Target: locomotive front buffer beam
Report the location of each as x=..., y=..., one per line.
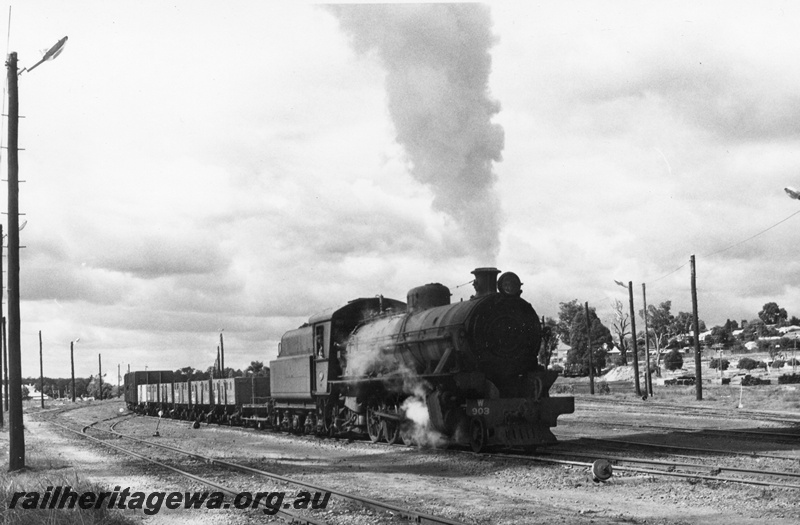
x=515, y=422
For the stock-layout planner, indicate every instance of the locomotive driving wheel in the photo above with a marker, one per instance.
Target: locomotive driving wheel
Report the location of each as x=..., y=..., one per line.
x=374, y=425
x=391, y=427
x=477, y=435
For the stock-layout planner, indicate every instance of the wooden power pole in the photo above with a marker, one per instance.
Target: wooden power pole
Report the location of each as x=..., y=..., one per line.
x=72, y=367
x=99, y=377
x=589, y=345
x=16, y=436
x=698, y=375
x=41, y=369
x=5, y=362
x=221, y=355
x=633, y=340
x=648, y=379
x=3, y=375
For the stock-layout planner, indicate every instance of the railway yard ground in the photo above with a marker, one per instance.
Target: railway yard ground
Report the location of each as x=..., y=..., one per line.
x=675, y=460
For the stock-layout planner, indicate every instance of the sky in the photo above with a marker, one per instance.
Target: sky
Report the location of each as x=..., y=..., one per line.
x=193, y=168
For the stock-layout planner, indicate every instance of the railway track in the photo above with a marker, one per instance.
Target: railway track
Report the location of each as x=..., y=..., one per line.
x=624, y=443
x=778, y=435
x=672, y=469
x=288, y=516
x=679, y=469
x=693, y=410
x=283, y=513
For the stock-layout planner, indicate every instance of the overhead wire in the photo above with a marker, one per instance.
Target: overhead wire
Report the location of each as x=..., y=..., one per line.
x=728, y=247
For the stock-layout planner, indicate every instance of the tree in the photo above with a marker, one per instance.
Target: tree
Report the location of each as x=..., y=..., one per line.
x=92, y=390
x=747, y=363
x=731, y=326
x=257, y=368
x=185, y=373
x=660, y=325
x=620, y=324
x=772, y=313
x=26, y=394
x=720, y=335
x=566, y=314
x=600, y=334
x=716, y=363
x=683, y=324
x=673, y=360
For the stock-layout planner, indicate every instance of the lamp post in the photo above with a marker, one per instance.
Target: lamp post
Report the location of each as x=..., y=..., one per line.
x=16, y=436
x=72, y=363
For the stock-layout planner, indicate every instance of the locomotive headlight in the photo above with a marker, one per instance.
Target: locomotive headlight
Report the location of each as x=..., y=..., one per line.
x=509, y=284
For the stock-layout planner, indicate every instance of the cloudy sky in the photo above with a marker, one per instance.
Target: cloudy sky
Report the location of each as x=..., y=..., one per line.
x=193, y=166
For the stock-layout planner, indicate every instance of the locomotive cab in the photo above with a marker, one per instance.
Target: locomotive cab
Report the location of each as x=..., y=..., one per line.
x=312, y=355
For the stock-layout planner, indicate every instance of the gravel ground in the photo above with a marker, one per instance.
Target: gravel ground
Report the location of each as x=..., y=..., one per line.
x=458, y=485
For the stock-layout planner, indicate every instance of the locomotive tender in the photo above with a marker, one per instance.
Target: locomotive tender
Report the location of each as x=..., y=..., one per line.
x=427, y=369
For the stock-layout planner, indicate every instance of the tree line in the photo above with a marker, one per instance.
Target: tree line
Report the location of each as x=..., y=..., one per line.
x=665, y=331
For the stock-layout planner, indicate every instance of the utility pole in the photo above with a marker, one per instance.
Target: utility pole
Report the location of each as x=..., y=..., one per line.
x=118, y=378
x=648, y=380
x=589, y=345
x=633, y=338
x=72, y=365
x=16, y=436
x=5, y=361
x=221, y=355
x=697, y=367
x=3, y=375
x=41, y=369
x=99, y=377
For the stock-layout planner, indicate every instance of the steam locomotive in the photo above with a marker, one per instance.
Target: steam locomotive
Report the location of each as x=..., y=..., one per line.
x=425, y=371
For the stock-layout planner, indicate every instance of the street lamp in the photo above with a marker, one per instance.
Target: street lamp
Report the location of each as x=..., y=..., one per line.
x=72, y=363
x=16, y=435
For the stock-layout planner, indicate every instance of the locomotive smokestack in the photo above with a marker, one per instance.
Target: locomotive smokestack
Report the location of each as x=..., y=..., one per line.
x=485, y=281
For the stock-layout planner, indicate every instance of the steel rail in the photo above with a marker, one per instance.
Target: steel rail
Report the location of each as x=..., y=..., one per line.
x=285, y=515
x=673, y=464
x=653, y=472
x=679, y=447
x=723, y=413
x=416, y=516
x=622, y=468
x=790, y=436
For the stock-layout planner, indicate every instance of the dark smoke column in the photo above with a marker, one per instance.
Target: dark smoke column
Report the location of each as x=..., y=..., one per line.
x=438, y=63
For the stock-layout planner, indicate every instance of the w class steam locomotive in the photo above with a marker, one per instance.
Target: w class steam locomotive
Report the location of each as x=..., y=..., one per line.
x=425, y=371
x=374, y=364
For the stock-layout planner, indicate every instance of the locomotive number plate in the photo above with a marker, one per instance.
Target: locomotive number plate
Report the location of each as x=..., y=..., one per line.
x=479, y=410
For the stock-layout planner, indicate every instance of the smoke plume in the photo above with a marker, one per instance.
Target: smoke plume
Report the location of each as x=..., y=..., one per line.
x=437, y=61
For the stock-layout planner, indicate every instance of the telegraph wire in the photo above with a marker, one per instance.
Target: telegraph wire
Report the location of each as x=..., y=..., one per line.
x=752, y=236
x=765, y=230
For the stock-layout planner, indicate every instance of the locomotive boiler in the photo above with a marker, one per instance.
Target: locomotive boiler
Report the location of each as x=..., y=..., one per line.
x=464, y=373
